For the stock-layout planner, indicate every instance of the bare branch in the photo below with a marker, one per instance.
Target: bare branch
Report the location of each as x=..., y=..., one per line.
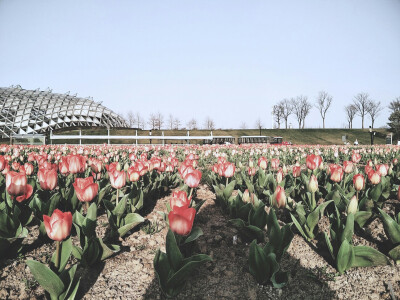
x=324, y=101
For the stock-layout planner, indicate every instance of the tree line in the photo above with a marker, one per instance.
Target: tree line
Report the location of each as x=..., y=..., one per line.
x=156, y=121
x=300, y=107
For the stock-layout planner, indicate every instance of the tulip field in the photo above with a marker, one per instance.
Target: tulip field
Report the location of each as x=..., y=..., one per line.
x=205, y=222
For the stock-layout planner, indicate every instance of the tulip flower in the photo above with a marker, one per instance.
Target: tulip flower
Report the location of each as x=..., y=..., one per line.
x=355, y=158
x=181, y=220
x=252, y=171
x=348, y=166
x=76, y=164
x=263, y=163
x=382, y=169
x=28, y=169
x=279, y=176
x=85, y=189
x=3, y=162
x=133, y=174
x=374, y=177
x=313, y=161
x=117, y=179
x=358, y=182
x=279, y=197
x=337, y=174
x=193, y=179
x=58, y=227
x=229, y=169
x=17, y=186
x=275, y=164
x=179, y=199
x=47, y=179
x=296, y=171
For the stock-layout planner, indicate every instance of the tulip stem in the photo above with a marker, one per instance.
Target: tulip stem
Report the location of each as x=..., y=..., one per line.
x=116, y=200
x=57, y=263
x=227, y=181
x=87, y=207
x=190, y=193
x=313, y=204
x=357, y=196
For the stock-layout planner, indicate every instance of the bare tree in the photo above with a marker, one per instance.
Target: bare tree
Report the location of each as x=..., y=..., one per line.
x=192, y=124
x=287, y=110
x=209, y=124
x=361, y=102
x=177, y=124
x=170, y=122
x=130, y=118
x=351, y=111
x=243, y=125
x=278, y=113
x=259, y=124
x=152, y=121
x=373, y=109
x=301, y=109
x=159, y=120
x=324, y=101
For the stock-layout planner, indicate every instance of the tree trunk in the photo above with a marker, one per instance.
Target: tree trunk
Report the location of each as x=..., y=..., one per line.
x=372, y=123
x=299, y=124
x=362, y=122
x=323, y=123
x=286, y=123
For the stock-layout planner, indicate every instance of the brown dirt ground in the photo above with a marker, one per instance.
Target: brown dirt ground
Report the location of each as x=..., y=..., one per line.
x=130, y=273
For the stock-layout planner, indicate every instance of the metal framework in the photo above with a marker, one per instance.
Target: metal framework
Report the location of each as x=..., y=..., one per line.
x=35, y=111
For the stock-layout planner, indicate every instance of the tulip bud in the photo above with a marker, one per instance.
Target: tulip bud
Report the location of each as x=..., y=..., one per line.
x=118, y=167
x=353, y=206
x=279, y=198
x=126, y=167
x=246, y=196
x=358, y=182
x=279, y=176
x=313, y=184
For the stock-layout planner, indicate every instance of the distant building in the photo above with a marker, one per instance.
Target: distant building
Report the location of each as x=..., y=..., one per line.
x=35, y=111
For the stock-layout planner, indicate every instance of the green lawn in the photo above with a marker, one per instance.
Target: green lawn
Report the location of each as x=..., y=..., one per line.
x=296, y=136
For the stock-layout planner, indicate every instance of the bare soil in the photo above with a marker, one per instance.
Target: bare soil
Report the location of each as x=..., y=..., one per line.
x=130, y=273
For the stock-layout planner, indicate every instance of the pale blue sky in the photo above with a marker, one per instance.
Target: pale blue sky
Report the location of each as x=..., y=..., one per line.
x=231, y=60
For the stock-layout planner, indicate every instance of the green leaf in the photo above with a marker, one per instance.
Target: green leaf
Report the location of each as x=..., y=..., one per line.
x=194, y=235
x=395, y=253
x=349, y=229
x=258, y=264
x=46, y=278
x=162, y=268
x=259, y=218
x=313, y=218
x=299, y=228
x=368, y=257
x=328, y=243
x=108, y=250
x=77, y=252
x=376, y=192
x=279, y=279
x=119, y=210
x=361, y=217
x=189, y=265
x=174, y=255
x=345, y=257
x=229, y=189
x=131, y=220
x=392, y=229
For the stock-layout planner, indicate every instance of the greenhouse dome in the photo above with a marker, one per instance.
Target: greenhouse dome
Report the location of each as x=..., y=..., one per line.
x=35, y=111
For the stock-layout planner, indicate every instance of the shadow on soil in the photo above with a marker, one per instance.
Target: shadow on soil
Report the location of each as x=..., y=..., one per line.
x=228, y=277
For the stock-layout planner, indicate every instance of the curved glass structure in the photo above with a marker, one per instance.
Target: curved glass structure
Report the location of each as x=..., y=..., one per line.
x=35, y=111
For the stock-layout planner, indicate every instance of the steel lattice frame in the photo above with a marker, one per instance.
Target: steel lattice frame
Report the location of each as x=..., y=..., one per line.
x=35, y=111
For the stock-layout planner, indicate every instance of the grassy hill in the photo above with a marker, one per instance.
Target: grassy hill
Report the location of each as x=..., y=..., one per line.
x=296, y=136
